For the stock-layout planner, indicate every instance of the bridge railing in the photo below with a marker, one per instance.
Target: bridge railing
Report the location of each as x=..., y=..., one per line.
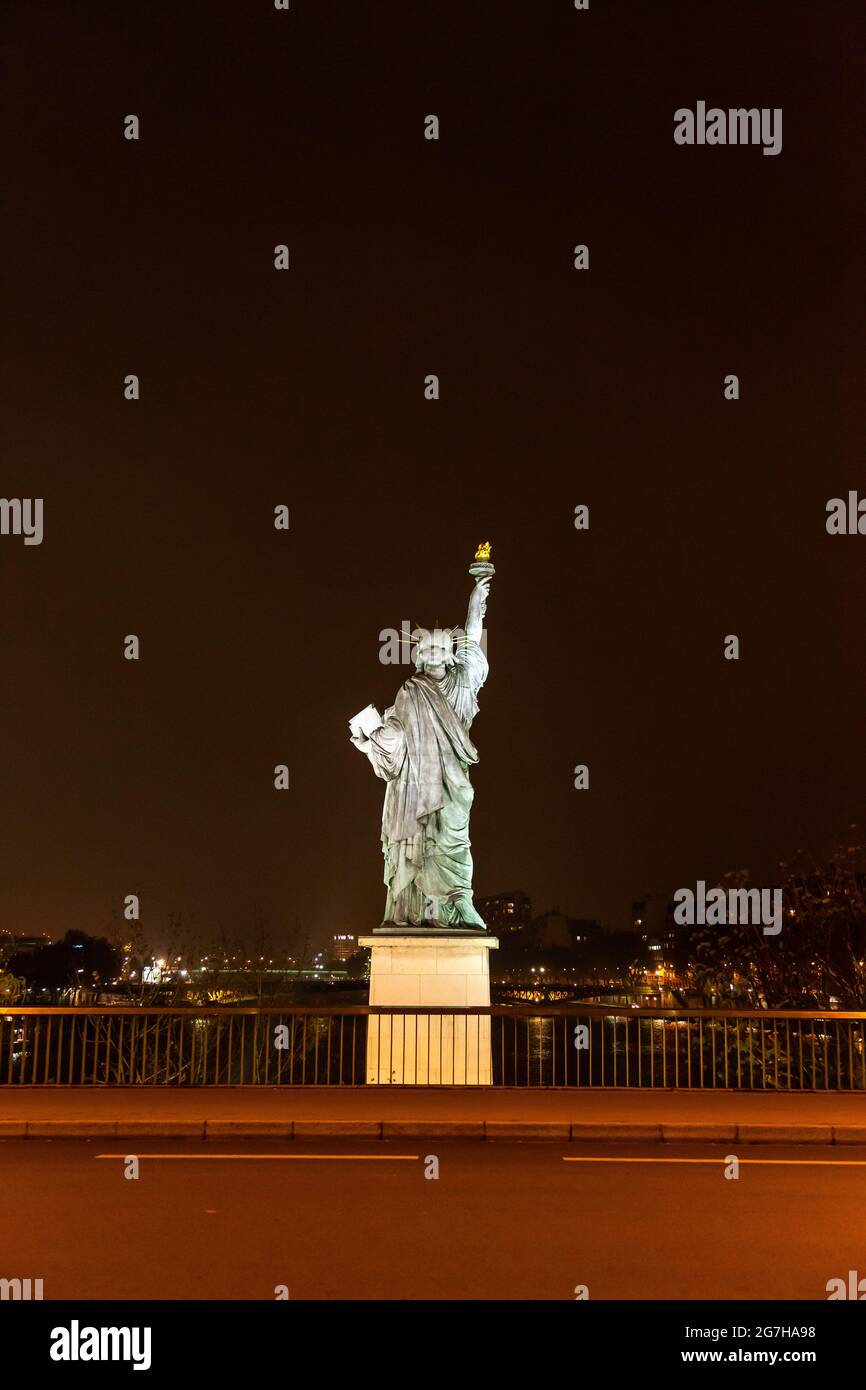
x=574, y=1046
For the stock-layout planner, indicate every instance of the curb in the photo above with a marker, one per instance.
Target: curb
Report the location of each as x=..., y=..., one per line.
x=616, y=1133
x=783, y=1134
x=68, y=1129
x=250, y=1129
x=519, y=1129
x=849, y=1134
x=559, y=1130
x=433, y=1129
x=334, y=1129
x=707, y=1134
x=160, y=1129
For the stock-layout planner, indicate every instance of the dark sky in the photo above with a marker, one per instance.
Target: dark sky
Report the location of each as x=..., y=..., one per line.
x=306, y=388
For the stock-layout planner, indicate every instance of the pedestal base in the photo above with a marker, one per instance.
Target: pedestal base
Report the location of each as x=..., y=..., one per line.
x=441, y=970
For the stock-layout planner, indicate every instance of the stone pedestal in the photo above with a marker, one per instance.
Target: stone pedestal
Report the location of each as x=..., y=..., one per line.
x=438, y=968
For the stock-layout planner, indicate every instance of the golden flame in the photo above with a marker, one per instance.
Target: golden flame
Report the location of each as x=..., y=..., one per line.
x=483, y=551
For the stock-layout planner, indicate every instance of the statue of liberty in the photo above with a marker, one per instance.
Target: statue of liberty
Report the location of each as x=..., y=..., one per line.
x=421, y=749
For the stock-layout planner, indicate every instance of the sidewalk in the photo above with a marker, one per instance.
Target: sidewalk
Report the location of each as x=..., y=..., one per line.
x=476, y=1113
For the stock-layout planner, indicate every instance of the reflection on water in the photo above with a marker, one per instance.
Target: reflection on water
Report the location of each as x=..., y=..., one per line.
x=539, y=1038
x=611, y=1049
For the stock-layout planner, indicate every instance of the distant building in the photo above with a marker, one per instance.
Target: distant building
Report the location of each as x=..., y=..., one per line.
x=583, y=929
x=506, y=912
x=345, y=945
x=551, y=929
x=12, y=945
x=555, y=929
x=677, y=951
x=653, y=914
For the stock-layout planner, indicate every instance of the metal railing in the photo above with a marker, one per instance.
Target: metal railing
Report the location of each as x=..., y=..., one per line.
x=575, y=1046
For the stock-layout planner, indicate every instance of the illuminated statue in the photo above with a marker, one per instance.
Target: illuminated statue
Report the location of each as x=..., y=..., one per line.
x=422, y=750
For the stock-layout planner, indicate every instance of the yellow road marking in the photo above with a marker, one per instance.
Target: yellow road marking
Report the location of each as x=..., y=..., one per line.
x=198, y=1158
x=807, y=1162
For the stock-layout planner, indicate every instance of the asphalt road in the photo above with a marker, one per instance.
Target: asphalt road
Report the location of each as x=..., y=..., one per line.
x=502, y=1220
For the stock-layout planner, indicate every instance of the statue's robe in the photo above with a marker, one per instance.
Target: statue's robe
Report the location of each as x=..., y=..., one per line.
x=424, y=753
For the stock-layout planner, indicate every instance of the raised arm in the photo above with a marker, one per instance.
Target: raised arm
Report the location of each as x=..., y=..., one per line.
x=478, y=607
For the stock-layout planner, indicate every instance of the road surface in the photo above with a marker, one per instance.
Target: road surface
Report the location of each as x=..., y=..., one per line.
x=503, y=1220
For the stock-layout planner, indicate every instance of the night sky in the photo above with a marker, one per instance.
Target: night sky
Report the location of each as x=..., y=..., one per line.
x=558, y=387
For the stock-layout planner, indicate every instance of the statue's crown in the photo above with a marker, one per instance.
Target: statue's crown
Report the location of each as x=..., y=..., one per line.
x=425, y=638
x=433, y=636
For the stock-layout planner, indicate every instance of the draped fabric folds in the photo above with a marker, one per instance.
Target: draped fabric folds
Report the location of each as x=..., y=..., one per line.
x=423, y=753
